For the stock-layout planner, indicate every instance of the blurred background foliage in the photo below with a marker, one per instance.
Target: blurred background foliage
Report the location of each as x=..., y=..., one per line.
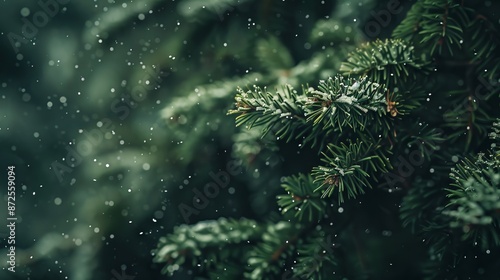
x=146, y=85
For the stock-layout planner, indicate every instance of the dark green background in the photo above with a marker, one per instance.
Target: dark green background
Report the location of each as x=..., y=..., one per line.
x=154, y=161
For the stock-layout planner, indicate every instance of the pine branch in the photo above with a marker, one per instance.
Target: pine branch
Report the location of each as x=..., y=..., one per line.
x=440, y=27
x=206, y=97
x=338, y=104
x=475, y=199
x=390, y=62
x=208, y=240
x=471, y=120
x=281, y=110
x=349, y=167
x=301, y=201
x=420, y=205
x=341, y=103
x=277, y=244
x=435, y=24
x=316, y=258
x=427, y=140
x=485, y=46
x=476, y=208
x=471, y=217
x=411, y=24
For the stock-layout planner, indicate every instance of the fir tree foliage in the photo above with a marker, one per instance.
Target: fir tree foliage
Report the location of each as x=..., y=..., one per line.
x=340, y=103
x=435, y=23
x=337, y=104
x=281, y=110
x=305, y=203
x=475, y=196
x=203, y=243
x=348, y=167
x=392, y=60
x=387, y=119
